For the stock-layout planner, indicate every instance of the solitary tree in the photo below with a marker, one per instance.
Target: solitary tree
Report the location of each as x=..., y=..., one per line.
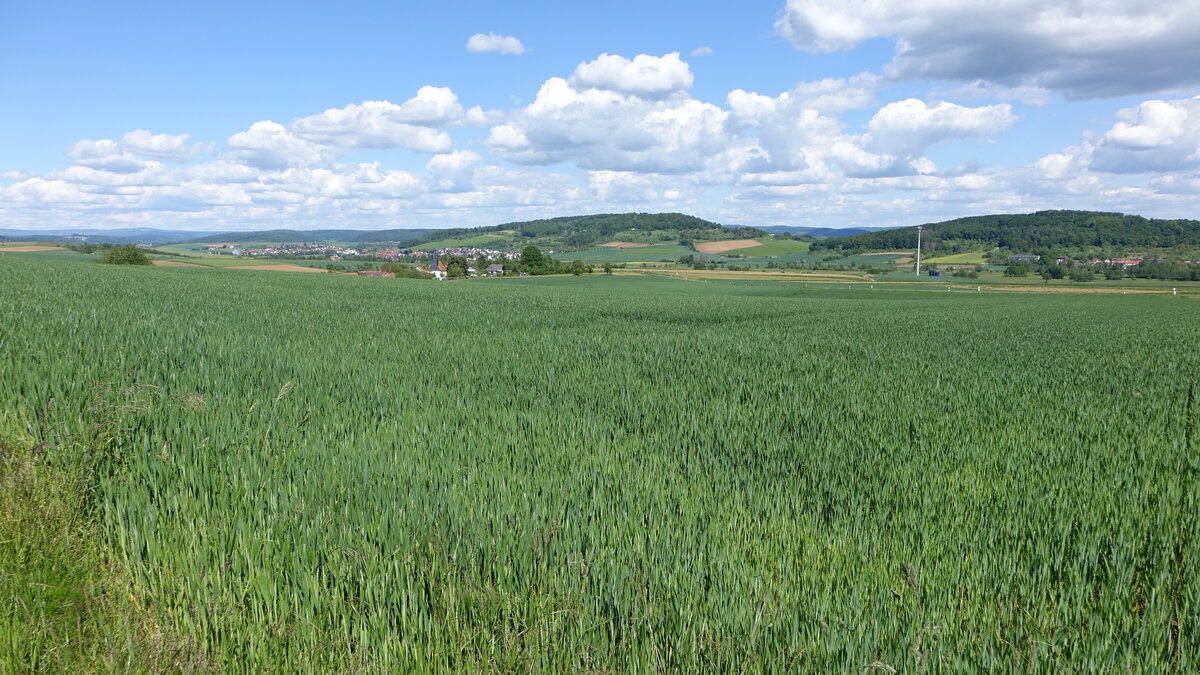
x=125, y=255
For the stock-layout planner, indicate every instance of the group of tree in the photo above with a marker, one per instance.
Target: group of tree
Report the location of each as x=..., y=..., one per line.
x=535, y=263
x=121, y=254
x=1048, y=270
x=125, y=254
x=1080, y=271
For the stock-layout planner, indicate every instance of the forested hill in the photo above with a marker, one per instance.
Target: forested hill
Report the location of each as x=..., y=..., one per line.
x=582, y=231
x=1044, y=232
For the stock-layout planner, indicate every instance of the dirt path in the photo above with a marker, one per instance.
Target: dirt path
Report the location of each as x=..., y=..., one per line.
x=723, y=246
x=1036, y=289
x=280, y=267
x=172, y=263
x=30, y=249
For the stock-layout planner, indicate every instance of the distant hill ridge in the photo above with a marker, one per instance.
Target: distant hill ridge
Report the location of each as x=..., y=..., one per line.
x=125, y=235
x=590, y=230
x=803, y=230
x=568, y=231
x=1043, y=232
x=287, y=236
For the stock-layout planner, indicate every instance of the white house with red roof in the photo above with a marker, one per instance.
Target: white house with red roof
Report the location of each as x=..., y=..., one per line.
x=437, y=268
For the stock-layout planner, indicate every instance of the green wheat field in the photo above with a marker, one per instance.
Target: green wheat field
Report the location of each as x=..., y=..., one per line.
x=319, y=473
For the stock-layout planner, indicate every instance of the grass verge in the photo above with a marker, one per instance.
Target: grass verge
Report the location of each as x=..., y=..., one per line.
x=64, y=606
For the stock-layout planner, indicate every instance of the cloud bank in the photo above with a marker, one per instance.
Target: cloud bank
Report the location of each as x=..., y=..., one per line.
x=628, y=133
x=1102, y=48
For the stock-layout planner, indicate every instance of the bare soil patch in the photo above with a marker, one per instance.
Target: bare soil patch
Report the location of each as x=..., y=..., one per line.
x=723, y=246
x=30, y=249
x=279, y=267
x=172, y=263
x=624, y=245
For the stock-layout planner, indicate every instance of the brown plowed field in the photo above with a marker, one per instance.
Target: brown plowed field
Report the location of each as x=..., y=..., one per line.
x=723, y=246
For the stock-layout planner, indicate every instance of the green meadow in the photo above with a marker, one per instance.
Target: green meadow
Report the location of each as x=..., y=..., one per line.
x=309, y=473
x=971, y=258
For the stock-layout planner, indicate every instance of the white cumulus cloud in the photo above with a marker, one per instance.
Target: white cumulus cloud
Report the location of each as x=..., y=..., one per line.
x=270, y=145
x=603, y=129
x=645, y=76
x=1157, y=135
x=491, y=42
x=163, y=147
x=130, y=154
x=910, y=126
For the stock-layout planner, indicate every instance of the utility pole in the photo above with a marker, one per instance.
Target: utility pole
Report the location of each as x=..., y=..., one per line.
x=918, y=251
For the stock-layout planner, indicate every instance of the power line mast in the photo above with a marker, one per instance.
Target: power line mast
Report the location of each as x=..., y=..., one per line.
x=918, y=250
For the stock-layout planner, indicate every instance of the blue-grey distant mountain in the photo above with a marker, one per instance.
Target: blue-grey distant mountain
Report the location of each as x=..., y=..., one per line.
x=128, y=235
x=819, y=231
x=302, y=236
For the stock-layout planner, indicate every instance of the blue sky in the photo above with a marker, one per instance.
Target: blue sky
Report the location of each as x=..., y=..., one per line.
x=379, y=115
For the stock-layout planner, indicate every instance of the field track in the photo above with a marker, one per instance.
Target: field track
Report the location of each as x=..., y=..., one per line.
x=173, y=263
x=763, y=275
x=279, y=267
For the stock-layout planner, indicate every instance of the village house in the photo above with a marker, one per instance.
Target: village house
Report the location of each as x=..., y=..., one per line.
x=494, y=270
x=437, y=268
